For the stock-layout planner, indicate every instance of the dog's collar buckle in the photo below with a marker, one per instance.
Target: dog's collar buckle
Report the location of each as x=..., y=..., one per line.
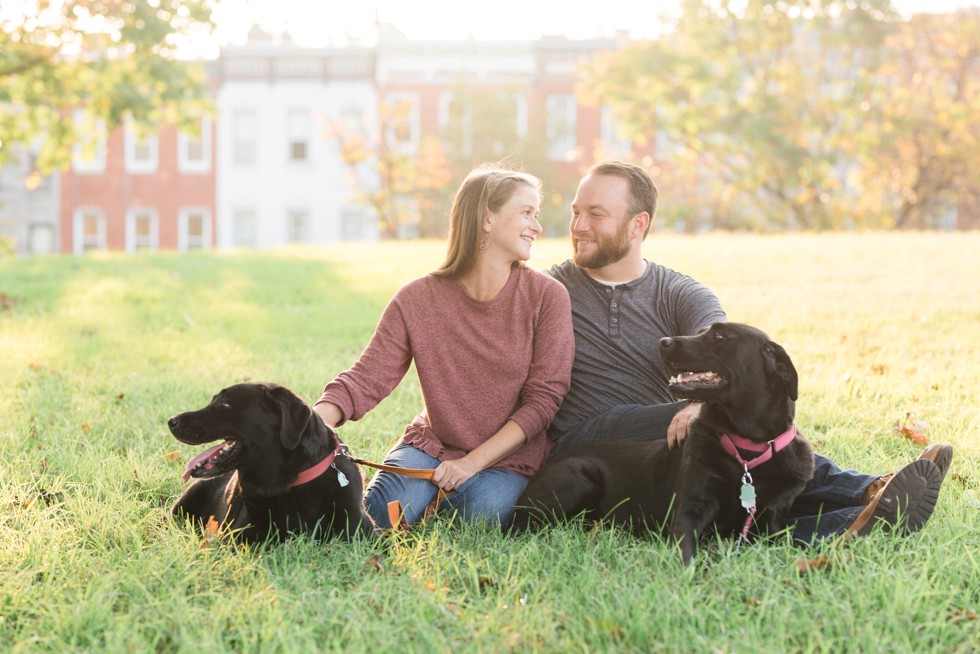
x=310, y=474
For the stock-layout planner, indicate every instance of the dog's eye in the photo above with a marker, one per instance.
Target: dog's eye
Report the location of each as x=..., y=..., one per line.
x=718, y=335
x=224, y=405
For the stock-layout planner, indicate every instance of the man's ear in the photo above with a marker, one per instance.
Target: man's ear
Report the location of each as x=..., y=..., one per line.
x=294, y=415
x=780, y=367
x=640, y=222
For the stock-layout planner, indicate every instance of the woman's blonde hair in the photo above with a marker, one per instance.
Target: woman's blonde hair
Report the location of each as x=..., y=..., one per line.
x=486, y=188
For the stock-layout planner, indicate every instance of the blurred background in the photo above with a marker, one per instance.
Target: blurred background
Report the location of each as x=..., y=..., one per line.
x=131, y=125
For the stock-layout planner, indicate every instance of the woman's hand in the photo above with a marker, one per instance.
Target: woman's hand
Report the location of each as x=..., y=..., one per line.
x=450, y=475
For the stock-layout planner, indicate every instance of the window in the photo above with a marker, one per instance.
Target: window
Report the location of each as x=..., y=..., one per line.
x=243, y=136
x=40, y=238
x=298, y=226
x=401, y=120
x=141, y=230
x=88, y=153
x=614, y=144
x=194, y=229
x=194, y=151
x=88, y=230
x=142, y=151
x=456, y=124
x=355, y=224
x=560, y=126
x=244, y=228
x=298, y=134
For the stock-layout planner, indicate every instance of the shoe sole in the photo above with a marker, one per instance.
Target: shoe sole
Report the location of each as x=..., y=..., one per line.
x=943, y=460
x=908, y=500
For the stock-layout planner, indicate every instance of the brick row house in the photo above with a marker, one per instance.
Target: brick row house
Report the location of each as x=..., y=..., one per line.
x=265, y=172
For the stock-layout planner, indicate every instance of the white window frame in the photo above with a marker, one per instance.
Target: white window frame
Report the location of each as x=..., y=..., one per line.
x=465, y=145
x=88, y=132
x=138, y=165
x=183, y=237
x=614, y=145
x=132, y=238
x=240, y=239
x=560, y=126
x=520, y=110
x=297, y=237
x=298, y=132
x=41, y=238
x=78, y=232
x=187, y=164
x=239, y=138
x=413, y=122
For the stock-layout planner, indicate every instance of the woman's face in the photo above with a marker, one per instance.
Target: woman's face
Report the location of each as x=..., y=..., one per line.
x=515, y=225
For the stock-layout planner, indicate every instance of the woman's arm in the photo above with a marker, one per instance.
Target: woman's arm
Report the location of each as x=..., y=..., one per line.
x=450, y=475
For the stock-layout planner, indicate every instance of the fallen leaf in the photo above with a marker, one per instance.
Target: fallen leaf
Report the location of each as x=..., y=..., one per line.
x=171, y=456
x=878, y=369
x=912, y=429
x=751, y=602
x=962, y=615
x=86, y=427
x=806, y=566
x=486, y=582
x=120, y=396
x=375, y=563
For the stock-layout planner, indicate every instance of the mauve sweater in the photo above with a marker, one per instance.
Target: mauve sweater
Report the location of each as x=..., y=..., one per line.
x=479, y=364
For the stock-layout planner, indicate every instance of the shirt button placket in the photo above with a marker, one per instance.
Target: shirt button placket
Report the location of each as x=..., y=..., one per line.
x=614, y=312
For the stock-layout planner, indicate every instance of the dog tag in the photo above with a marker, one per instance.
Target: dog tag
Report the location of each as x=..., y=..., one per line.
x=341, y=478
x=747, y=496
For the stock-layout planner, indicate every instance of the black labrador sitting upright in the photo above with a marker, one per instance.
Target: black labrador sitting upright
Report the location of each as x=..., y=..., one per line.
x=742, y=462
x=278, y=469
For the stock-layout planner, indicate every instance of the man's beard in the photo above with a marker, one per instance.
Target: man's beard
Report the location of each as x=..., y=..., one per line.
x=608, y=249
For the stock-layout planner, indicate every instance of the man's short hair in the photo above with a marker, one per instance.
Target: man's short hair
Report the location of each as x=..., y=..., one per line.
x=643, y=192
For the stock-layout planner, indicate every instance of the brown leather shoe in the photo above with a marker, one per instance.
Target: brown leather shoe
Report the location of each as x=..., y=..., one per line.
x=939, y=453
x=905, y=500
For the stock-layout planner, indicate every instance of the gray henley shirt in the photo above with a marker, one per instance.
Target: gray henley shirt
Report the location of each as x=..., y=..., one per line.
x=617, y=333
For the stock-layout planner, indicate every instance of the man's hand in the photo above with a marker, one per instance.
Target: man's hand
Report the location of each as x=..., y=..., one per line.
x=680, y=426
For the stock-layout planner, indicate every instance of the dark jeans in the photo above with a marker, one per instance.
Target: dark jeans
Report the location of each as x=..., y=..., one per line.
x=828, y=504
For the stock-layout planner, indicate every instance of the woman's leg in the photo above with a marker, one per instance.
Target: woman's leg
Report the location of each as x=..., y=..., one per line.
x=489, y=495
x=414, y=494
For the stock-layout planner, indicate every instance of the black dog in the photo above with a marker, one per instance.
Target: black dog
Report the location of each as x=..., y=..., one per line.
x=748, y=385
x=279, y=469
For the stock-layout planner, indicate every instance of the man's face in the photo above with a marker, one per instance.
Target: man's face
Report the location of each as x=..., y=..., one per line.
x=600, y=224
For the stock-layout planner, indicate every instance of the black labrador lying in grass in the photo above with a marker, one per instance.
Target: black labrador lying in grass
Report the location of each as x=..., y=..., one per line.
x=742, y=463
x=278, y=469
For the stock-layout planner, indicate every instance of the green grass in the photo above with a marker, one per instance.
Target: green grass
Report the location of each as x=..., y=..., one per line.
x=96, y=353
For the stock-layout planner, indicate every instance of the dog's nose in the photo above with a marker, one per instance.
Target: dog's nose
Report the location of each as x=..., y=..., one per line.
x=666, y=343
x=172, y=423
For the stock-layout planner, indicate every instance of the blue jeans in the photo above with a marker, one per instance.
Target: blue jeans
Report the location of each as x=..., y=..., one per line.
x=489, y=495
x=828, y=504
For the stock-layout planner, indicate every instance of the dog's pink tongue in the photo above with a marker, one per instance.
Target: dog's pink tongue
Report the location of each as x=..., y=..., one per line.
x=203, y=456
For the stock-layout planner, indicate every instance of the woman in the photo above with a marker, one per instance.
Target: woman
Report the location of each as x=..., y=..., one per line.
x=493, y=346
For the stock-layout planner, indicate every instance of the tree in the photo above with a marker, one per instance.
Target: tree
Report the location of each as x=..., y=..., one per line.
x=752, y=101
x=111, y=59
x=919, y=150
x=399, y=177
x=486, y=124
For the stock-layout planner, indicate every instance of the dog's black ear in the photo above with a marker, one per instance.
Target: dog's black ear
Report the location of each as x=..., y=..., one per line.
x=779, y=366
x=294, y=415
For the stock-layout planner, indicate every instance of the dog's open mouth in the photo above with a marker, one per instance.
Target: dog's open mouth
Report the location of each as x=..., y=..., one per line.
x=212, y=461
x=695, y=380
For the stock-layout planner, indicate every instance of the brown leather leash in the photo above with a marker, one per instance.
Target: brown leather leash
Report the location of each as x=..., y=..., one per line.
x=396, y=516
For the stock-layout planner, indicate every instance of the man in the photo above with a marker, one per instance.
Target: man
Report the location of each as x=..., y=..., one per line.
x=622, y=305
